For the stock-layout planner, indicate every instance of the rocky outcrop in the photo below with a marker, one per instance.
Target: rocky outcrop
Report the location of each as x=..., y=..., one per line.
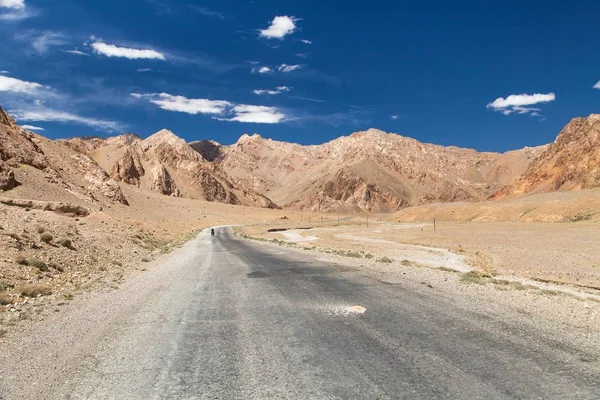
x=572, y=162
x=17, y=146
x=208, y=149
x=7, y=179
x=128, y=168
x=163, y=183
x=72, y=210
x=98, y=180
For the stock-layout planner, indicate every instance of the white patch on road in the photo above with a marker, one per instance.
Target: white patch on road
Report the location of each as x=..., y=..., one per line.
x=347, y=310
x=295, y=237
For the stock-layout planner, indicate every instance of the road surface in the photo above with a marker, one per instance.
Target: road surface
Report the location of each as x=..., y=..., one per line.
x=235, y=319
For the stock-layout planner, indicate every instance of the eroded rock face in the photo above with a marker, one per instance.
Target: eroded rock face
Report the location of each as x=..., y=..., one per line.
x=98, y=180
x=572, y=162
x=162, y=182
x=208, y=149
x=17, y=146
x=128, y=168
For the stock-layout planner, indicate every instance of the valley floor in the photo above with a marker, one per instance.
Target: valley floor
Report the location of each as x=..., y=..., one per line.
x=563, y=253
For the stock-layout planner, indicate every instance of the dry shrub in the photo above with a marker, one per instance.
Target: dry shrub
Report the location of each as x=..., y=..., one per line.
x=65, y=242
x=46, y=237
x=5, y=299
x=21, y=260
x=39, y=264
x=35, y=290
x=472, y=277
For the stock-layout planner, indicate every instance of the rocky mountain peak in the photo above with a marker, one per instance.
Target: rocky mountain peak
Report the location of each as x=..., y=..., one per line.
x=246, y=138
x=164, y=136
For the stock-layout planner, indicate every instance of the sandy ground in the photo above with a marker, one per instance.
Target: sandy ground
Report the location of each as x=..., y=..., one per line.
x=564, y=253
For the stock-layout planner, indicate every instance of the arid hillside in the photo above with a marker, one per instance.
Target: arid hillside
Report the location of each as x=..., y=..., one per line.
x=164, y=163
x=572, y=162
x=366, y=171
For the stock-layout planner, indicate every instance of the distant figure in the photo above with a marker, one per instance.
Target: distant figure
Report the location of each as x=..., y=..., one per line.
x=212, y=232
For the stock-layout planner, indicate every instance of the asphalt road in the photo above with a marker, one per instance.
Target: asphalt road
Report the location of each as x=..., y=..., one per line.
x=242, y=320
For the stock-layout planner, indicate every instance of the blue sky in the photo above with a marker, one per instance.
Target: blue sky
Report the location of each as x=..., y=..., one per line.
x=493, y=76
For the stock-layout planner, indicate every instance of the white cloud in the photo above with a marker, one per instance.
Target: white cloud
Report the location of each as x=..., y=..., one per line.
x=208, y=12
x=597, y=85
x=16, y=10
x=517, y=102
x=220, y=109
x=394, y=117
x=110, y=50
x=256, y=114
x=43, y=42
x=306, y=41
x=8, y=84
x=76, y=52
x=144, y=69
x=183, y=104
x=4, y=72
x=32, y=128
x=279, y=28
x=50, y=115
x=278, y=90
x=262, y=70
x=288, y=68
x=17, y=4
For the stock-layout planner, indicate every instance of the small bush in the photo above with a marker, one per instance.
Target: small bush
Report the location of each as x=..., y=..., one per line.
x=580, y=217
x=407, y=263
x=353, y=254
x=39, y=264
x=4, y=285
x=472, y=277
x=41, y=229
x=385, y=259
x=22, y=260
x=117, y=263
x=446, y=269
x=5, y=299
x=369, y=255
x=46, y=237
x=35, y=290
x=57, y=267
x=145, y=259
x=65, y=242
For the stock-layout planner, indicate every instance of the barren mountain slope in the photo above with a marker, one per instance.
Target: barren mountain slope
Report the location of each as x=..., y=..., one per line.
x=165, y=163
x=369, y=170
x=571, y=162
x=33, y=166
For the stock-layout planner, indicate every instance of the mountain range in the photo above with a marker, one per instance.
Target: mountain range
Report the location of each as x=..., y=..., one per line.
x=370, y=170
